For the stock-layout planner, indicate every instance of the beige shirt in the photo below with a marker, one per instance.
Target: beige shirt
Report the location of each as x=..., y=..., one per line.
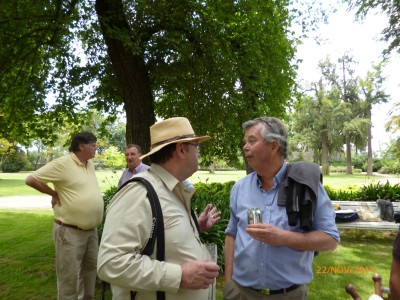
x=127, y=230
x=77, y=187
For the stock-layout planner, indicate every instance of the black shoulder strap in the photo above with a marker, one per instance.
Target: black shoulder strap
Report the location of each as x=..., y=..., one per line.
x=157, y=231
x=158, y=221
x=194, y=217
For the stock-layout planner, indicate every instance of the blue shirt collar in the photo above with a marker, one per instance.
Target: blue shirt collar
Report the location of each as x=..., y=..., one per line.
x=277, y=178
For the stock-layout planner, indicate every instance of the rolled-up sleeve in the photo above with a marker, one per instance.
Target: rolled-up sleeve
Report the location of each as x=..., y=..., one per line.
x=324, y=215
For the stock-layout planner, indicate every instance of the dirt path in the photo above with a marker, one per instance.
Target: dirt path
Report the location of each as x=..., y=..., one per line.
x=393, y=179
x=25, y=202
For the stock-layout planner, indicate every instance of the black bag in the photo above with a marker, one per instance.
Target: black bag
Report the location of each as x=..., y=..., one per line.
x=346, y=217
x=396, y=217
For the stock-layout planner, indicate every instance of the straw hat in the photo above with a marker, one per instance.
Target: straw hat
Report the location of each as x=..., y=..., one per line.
x=174, y=130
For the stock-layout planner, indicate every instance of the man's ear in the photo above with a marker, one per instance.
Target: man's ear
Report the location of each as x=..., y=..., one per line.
x=275, y=146
x=180, y=150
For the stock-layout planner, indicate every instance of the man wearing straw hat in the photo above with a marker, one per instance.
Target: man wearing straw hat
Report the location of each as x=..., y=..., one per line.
x=186, y=272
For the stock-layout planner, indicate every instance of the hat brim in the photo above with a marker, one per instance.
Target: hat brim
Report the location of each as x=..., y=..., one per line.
x=199, y=139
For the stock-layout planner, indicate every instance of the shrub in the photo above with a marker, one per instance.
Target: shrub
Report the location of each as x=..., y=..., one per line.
x=343, y=169
x=390, y=167
x=377, y=164
x=341, y=194
x=107, y=196
x=14, y=163
x=218, y=195
x=337, y=169
x=359, y=161
x=371, y=192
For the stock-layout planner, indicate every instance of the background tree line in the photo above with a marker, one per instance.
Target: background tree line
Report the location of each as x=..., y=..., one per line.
x=219, y=63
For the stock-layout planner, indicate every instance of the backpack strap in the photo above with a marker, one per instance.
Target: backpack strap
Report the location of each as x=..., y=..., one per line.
x=157, y=232
x=194, y=217
x=158, y=221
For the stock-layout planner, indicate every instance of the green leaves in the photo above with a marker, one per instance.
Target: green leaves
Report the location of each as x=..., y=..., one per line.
x=219, y=63
x=218, y=195
x=370, y=192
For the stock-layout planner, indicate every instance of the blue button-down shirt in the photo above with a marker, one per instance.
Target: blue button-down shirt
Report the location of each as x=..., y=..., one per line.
x=260, y=265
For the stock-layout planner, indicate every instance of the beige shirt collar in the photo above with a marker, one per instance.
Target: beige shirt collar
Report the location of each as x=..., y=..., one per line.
x=173, y=185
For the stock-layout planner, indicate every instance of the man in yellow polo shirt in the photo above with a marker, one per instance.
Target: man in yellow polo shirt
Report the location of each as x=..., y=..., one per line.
x=78, y=209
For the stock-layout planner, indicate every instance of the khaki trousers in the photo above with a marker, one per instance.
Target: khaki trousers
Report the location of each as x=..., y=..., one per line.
x=233, y=291
x=76, y=262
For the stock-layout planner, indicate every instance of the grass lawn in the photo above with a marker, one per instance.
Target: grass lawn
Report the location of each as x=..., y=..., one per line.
x=13, y=184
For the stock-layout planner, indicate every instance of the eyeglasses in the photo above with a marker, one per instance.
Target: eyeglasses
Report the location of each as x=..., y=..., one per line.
x=197, y=145
x=274, y=130
x=93, y=145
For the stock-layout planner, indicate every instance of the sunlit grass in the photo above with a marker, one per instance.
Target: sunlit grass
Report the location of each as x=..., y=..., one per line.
x=12, y=184
x=343, y=181
x=357, y=258
x=27, y=255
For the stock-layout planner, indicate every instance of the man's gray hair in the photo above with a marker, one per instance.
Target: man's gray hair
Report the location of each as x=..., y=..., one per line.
x=273, y=130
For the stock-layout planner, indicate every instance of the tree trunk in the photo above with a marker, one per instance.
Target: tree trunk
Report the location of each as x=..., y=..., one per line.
x=131, y=72
x=369, y=160
x=325, y=154
x=349, y=169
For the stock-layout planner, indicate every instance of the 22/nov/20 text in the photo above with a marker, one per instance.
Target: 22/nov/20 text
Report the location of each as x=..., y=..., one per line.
x=345, y=270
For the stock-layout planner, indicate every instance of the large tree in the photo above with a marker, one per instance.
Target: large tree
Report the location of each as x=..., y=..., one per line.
x=390, y=34
x=316, y=123
x=341, y=77
x=338, y=112
x=347, y=84
x=217, y=62
x=372, y=92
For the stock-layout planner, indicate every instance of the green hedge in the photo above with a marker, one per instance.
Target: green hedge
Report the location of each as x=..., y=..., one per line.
x=107, y=196
x=218, y=195
x=371, y=192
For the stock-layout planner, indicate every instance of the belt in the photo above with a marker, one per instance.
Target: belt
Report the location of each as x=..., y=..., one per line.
x=68, y=225
x=274, y=292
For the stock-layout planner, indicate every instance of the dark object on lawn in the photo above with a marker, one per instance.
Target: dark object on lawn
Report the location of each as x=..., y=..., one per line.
x=396, y=217
x=346, y=217
x=386, y=208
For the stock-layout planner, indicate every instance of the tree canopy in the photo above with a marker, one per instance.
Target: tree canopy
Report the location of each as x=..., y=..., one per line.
x=391, y=33
x=340, y=106
x=219, y=63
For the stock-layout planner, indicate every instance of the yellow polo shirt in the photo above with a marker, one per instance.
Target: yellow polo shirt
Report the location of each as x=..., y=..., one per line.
x=77, y=187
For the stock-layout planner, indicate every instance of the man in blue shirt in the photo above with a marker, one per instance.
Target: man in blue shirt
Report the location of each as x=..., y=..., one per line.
x=273, y=259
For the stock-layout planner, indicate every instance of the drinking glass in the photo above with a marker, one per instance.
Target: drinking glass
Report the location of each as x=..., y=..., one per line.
x=212, y=250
